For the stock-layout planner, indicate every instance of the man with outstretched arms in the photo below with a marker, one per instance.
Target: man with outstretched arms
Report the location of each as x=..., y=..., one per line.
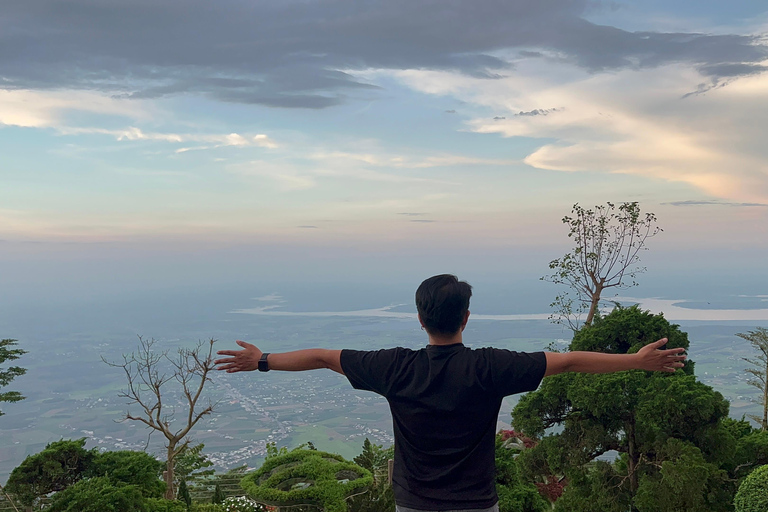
x=445, y=398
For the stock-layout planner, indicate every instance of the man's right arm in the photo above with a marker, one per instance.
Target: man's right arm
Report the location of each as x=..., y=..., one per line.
x=650, y=357
x=298, y=360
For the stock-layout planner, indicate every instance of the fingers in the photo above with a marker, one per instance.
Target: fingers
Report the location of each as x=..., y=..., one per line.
x=660, y=343
x=244, y=344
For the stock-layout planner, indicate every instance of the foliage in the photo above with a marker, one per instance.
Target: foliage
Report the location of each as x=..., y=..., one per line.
x=163, y=505
x=380, y=496
x=183, y=494
x=208, y=507
x=308, y=477
x=98, y=494
x=218, y=495
x=7, y=375
x=133, y=468
x=191, y=464
x=667, y=427
x=752, y=495
x=514, y=494
x=59, y=465
x=759, y=340
x=147, y=379
x=606, y=250
x=274, y=451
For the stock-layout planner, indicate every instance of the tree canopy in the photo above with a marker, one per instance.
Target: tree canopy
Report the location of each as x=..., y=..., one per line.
x=666, y=427
x=606, y=251
x=8, y=353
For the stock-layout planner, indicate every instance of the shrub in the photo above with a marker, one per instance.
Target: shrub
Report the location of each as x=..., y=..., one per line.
x=163, y=505
x=207, y=507
x=98, y=494
x=307, y=477
x=753, y=492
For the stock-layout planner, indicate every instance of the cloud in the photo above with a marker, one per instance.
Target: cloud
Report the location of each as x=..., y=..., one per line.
x=307, y=227
x=218, y=140
x=632, y=121
x=715, y=203
x=289, y=54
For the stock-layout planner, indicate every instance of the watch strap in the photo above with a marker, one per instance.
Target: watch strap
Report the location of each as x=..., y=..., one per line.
x=263, y=364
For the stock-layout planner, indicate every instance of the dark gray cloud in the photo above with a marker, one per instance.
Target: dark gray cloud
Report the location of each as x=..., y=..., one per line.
x=287, y=53
x=307, y=227
x=538, y=112
x=715, y=203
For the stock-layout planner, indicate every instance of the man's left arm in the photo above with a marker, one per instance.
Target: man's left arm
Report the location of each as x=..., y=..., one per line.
x=299, y=360
x=650, y=357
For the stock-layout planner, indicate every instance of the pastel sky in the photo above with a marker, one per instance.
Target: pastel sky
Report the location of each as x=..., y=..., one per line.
x=266, y=135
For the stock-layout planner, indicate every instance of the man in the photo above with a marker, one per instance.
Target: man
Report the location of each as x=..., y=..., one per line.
x=445, y=398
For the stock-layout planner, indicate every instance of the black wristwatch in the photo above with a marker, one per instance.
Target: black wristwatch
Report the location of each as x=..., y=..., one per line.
x=263, y=365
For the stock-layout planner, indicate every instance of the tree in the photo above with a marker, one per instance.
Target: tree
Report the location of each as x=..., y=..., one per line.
x=380, y=497
x=7, y=375
x=218, y=495
x=148, y=373
x=98, y=494
x=191, y=464
x=667, y=427
x=58, y=466
x=753, y=492
x=759, y=339
x=515, y=495
x=184, y=494
x=139, y=469
x=606, y=251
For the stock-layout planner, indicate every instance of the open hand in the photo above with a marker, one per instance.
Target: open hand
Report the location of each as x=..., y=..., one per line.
x=652, y=358
x=245, y=360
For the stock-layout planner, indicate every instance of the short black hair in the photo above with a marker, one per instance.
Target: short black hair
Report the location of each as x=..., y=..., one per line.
x=442, y=301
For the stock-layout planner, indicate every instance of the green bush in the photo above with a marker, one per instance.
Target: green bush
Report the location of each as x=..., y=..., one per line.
x=331, y=480
x=163, y=505
x=753, y=492
x=98, y=494
x=207, y=507
x=129, y=467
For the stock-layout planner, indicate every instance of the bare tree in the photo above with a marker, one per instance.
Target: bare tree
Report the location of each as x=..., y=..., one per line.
x=607, y=243
x=759, y=339
x=151, y=376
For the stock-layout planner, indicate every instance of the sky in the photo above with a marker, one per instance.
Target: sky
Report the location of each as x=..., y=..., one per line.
x=153, y=143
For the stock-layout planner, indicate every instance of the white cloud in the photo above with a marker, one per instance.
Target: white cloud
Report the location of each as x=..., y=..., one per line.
x=632, y=121
x=45, y=109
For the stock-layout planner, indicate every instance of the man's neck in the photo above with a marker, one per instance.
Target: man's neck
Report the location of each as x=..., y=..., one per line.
x=445, y=340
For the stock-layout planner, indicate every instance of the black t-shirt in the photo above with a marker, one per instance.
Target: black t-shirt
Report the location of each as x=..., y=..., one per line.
x=445, y=402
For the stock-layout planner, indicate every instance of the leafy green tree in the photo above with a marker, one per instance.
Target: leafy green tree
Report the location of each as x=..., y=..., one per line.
x=98, y=494
x=650, y=418
x=149, y=373
x=380, y=497
x=7, y=353
x=192, y=464
x=759, y=340
x=218, y=495
x=753, y=492
x=607, y=242
x=58, y=466
x=184, y=494
x=515, y=495
x=132, y=468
